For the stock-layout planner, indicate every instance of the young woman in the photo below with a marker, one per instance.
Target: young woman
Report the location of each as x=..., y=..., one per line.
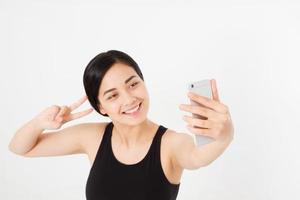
x=132, y=157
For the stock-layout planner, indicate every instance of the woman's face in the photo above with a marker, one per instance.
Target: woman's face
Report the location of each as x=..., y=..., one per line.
x=122, y=90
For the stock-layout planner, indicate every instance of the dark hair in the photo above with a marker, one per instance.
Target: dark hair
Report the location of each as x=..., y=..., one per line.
x=97, y=68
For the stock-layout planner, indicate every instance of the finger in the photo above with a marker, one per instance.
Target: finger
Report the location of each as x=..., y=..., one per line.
x=79, y=102
x=215, y=90
x=80, y=114
x=199, y=131
x=198, y=110
x=198, y=122
x=61, y=113
x=54, y=111
x=210, y=103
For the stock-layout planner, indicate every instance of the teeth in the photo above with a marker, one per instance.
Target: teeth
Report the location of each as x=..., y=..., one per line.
x=133, y=110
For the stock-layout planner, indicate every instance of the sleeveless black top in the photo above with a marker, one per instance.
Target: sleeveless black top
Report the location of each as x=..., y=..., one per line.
x=110, y=179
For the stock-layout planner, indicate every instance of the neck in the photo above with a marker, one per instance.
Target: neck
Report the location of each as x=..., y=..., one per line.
x=131, y=136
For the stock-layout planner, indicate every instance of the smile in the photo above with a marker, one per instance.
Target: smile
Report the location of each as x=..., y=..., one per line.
x=133, y=111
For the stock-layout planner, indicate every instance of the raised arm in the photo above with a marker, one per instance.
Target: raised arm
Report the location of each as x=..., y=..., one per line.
x=187, y=155
x=215, y=123
x=31, y=140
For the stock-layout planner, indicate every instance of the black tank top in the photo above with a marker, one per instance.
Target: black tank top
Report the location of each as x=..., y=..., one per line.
x=110, y=179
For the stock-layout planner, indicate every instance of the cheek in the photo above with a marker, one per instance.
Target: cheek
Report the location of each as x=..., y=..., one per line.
x=111, y=107
x=114, y=107
x=143, y=92
x=145, y=97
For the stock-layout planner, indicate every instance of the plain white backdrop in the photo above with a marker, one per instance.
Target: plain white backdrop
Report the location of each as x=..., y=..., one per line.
x=251, y=48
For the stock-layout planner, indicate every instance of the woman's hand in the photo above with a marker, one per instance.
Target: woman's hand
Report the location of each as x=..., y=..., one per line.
x=217, y=125
x=55, y=116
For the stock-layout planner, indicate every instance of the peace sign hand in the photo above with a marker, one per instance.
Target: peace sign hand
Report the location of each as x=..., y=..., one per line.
x=55, y=116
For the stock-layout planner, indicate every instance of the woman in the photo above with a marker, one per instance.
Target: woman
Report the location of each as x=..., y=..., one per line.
x=131, y=157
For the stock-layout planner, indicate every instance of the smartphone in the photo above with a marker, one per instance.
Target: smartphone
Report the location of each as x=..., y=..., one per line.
x=202, y=88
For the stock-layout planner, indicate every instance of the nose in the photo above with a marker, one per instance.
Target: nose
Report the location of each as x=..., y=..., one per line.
x=128, y=99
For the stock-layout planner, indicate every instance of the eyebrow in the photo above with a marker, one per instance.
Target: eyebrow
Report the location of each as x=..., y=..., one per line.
x=126, y=81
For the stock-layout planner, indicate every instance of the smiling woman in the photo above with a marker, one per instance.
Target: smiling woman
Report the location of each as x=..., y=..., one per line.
x=98, y=67
x=128, y=149
x=132, y=157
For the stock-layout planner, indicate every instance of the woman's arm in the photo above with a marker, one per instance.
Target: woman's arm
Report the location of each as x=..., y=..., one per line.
x=31, y=135
x=188, y=156
x=26, y=137
x=216, y=123
x=67, y=141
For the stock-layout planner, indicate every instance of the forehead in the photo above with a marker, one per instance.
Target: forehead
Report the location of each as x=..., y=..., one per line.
x=116, y=75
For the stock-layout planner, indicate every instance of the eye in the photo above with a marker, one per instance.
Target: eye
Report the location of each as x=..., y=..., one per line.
x=134, y=84
x=111, y=96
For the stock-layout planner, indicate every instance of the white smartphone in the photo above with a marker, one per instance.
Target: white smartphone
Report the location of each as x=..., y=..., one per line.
x=202, y=88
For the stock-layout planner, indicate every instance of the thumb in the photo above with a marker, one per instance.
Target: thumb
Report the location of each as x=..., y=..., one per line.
x=214, y=90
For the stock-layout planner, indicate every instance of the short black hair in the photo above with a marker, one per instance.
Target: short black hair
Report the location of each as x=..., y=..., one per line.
x=97, y=68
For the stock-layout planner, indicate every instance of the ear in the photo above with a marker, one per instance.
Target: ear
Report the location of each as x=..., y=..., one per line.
x=101, y=109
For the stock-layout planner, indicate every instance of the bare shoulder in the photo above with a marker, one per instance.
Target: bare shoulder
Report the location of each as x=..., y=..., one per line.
x=174, y=138
x=172, y=142
x=91, y=135
x=175, y=143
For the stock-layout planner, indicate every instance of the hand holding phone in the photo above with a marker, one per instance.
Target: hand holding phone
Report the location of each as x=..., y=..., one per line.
x=202, y=88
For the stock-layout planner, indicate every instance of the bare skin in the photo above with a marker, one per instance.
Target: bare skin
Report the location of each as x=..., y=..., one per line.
x=50, y=118
x=132, y=133
x=134, y=155
x=83, y=139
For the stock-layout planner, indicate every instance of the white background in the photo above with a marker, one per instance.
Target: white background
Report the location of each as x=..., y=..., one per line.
x=251, y=48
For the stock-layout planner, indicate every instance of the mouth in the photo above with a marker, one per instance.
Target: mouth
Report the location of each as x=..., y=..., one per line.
x=134, y=110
